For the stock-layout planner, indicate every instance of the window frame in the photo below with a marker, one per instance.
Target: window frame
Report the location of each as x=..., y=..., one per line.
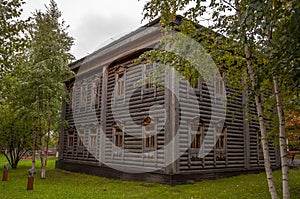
x=118, y=135
x=193, y=152
x=194, y=87
x=80, y=138
x=196, y=90
x=220, y=86
x=149, y=136
x=195, y=135
x=221, y=134
x=146, y=77
x=93, y=132
x=80, y=141
x=96, y=90
x=83, y=95
x=70, y=137
x=120, y=82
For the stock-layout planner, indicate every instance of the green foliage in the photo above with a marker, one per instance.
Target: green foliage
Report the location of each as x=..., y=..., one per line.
x=63, y=184
x=269, y=28
x=14, y=128
x=47, y=68
x=34, y=58
x=15, y=134
x=12, y=33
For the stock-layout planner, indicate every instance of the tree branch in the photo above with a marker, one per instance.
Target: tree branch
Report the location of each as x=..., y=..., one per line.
x=230, y=5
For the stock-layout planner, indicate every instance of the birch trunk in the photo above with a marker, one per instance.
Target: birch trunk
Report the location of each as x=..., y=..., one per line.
x=48, y=139
x=43, y=168
x=34, y=142
x=267, y=161
x=282, y=141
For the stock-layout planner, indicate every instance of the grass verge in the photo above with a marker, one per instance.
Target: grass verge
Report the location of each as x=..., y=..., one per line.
x=63, y=184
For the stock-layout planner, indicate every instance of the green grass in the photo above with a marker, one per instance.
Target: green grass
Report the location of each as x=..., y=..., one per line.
x=63, y=184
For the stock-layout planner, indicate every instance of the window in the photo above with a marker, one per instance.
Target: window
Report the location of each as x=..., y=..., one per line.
x=196, y=134
x=120, y=83
x=96, y=92
x=220, y=147
x=71, y=138
x=83, y=97
x=220, y=84
x=148, y=75
x=118, y=133
x=93, y=138
x=221, y=140
x=194, y=82
x=194, y=88
x=80, y=141
x=149, y=135
x=149, y=131
x=195, y=140
x=80, y=138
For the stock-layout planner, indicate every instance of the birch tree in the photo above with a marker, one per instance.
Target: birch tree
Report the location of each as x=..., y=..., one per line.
x=283, y=46
x=47, y=70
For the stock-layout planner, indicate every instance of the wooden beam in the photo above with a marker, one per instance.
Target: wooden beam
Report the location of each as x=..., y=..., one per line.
x=246, y=131
x=171, y=124
x=103, y=115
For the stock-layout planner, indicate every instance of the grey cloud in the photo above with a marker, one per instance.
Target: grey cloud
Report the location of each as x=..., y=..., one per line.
x=95, y=31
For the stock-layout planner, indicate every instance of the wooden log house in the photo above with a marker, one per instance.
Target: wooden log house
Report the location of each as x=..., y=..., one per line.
x=119, y=126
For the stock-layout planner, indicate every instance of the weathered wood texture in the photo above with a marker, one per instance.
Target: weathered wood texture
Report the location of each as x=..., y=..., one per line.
x=112, y=99
x=233, y=121
x=131, y=109
x=236, y=145
x=88, y=116
x=156, y=176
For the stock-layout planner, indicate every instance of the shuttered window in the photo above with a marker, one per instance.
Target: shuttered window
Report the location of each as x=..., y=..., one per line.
x=220, y=84
x=150, y=139
x=149, y=76
x=118, y=131
x=120, y=83
x=196, y=136
x=96, y=91
x=93, y=138
x=149, y=130
x=220, y=146
x=83, y=95
x=70, y=138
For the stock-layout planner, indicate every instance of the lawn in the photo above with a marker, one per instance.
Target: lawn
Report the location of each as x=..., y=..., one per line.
x=63, y=184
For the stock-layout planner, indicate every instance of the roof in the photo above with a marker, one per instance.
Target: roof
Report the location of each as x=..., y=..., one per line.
x=151, y=24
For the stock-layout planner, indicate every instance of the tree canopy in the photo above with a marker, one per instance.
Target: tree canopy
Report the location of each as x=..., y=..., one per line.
x=35, y=54
x=265, y=40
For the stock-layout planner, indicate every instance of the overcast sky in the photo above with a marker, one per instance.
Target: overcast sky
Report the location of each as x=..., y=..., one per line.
x=94, y=23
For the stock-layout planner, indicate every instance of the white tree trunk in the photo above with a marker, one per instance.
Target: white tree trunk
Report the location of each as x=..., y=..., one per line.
x=282, y=141
x=268, y=169
x=43, y=172
x=34, y=142
x=43, y=168
x=47, y=144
